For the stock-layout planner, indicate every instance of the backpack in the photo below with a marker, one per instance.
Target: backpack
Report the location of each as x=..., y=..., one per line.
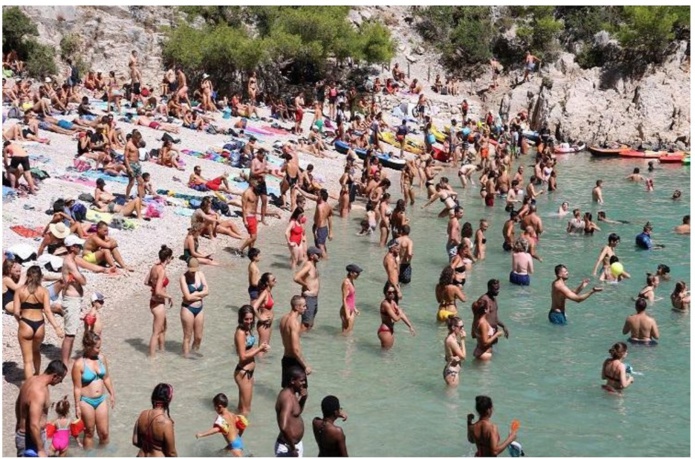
x=79, y=211
x=14, y=112
x=221, y=206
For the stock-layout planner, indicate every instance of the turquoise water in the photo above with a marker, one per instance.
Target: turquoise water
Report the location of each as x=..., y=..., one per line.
x=398, y=405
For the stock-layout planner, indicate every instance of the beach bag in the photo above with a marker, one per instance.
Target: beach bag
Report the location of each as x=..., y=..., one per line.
x=79, y=211
x=39, y=174
x=14, y=112
x=220, y=206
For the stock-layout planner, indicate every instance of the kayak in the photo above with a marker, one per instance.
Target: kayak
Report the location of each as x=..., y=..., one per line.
x=410, y=145
x=393, y=163
x=646, y=154
x=566, y=148
x=672, y=157
x=607, y=152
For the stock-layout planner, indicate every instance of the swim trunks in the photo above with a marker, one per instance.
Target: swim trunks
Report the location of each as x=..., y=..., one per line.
x=72, y=306
x=136, y=169
x=405, y=273
x=253, y=292
x=154, y=125
x=651, y=342
x=451, y=249
x=251, y=224
x=65, y=124
x=214, y=184
x=489, y=200
x=321, y=236
x=519, y=279
x=312, y=307
x=506, y=246
x=261, y=188
x=281, y=450
x=557, y=317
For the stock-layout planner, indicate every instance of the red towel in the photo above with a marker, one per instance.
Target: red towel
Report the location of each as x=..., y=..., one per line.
x=28, y=232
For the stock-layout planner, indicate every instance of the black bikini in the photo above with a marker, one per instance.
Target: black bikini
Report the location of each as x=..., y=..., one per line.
x=34, y=324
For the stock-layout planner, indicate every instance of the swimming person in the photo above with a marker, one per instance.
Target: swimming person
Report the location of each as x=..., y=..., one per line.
x=641, y=327
x=644, y=239
x=614, y=370
x=454, y=350
x=348, y=310
x=390, y=314
x=194, y=288
x=226, y=423
x=92, y=380
x=244, y=342
x=560, y=292
x=484, y=433
x=680, y=298
x=329, y=437
x=153, y=433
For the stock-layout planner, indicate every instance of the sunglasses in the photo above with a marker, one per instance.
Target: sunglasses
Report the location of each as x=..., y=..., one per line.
x=393, y=292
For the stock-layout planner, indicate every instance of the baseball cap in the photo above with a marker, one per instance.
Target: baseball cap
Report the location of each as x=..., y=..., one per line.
x=329, y=405
x=97, y=296
x=353, y=268
x=73, y=240
x=313, y=251
x=100, y=182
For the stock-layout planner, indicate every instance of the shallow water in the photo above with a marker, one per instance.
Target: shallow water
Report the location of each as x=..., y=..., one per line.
x=398, y=405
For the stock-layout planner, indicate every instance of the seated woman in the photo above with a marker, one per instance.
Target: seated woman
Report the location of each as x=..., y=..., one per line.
x=191, y=244
x=680, y=298
x=90, y=81
x=169, y=155
x=211, y=221
x=61, y=214
x=106, y=202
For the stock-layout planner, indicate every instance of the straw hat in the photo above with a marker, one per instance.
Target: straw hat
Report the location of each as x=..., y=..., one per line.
x=59, y=230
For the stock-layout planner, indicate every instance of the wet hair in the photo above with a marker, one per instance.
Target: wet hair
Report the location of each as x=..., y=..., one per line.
x=520, y=245
x=162, y=395
x=453, y=322
x=34, y=276
x=56, y=367
x=686, y=220
x=253, y=253
x=467, y=230
x=483, y=404
x=264, y=281
x=220, y=400
x=588, y=216
x=618, y=350
x=293, y=373
x=63, y=407
x=446, y=276
x=243, y=312
x=663, y=268
x=613, y=259
x=651, y=279
x=405, y=230
x=558, y=268
x=680, y=287
x=90, y=340
x=635, y=170
x=165, y=253
x=640, y=304
x=613, y=237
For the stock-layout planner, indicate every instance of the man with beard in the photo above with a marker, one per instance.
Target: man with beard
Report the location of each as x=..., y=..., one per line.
x=490, y=298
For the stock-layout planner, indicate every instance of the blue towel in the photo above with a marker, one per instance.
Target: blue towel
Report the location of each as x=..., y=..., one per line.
x=8, y=192
x=98, y=174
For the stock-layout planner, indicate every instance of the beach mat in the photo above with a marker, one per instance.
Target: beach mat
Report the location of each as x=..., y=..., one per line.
x=27, y=232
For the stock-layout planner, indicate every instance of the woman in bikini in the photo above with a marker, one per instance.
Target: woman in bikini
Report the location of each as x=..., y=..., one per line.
x=244, y=341
x=614, y=371
x=154, y=429
x=483, y=332
x=91, y=380
x=480, y=240
x=296, y=237
x=12, y=280
x=680, y=298
x=448, y=198
x=390, y=314
x=589, y=225
x=446, y=292
x=191, y=244
x=194, y=288
x=484, y=434
x=454, y=350
x=348, y=310
x=31, y=303
x=157, y=280
x=461, y=264
x=345, y=184
x=263, y=306
x=647, y=291
x=252, y=88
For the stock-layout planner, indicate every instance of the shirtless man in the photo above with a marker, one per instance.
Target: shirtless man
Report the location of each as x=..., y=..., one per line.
x=288, y=410
x=197, y=182
x=290, y=330
x=532, y=219
x=560, y=293
x=531, y=191
x=513, y=195
x=405, y=244
x=508, y=231
x=31, y=410
x=74, y=283
x=529, y=65
x=249, y=210
x=466, y=173
x=641, y=327
x=635, y=176
x=596, y=193
x=100, y=248
x=453, y=231
x=323, y=223
x=329, y=437
x=308, y=278
x=182, y=86
x=391, y=264
x=480, y=240
x=133, y=166
x=13, y=157
x=607, y=251
x=683, y=228
x=156, y=125
x=135, y=78
x=298, y=113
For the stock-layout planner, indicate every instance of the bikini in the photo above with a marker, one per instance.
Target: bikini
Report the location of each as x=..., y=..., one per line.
x=154, y=301
x=388, y=328
x=149, y=444
x=34, y=324
x=250, y=342
x=193, y=289
x=269, y=303
x=89, y=376
x=460, y=270
x=7, y=297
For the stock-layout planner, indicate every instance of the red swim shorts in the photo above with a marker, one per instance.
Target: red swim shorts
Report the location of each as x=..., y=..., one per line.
x=299, y=115
x=214, y=184
x=251, y=224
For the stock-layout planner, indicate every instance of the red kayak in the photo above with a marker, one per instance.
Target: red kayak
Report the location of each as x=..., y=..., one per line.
x=674, y=157
x=646, y=154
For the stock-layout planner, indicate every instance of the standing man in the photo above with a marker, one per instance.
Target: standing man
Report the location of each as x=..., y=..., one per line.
x=508, y=230
x=392, y=263
x=31, y=410
x=596, y=193
x=323, y=222
x=135, y=77
x=308, y=278
x=560, y=293
x=641, y=327
x=529, y=64
x=490, y=298
x=133, y=166
x=290, y=331
x=453, y=231
x=533, y=220
x=405, y=244
x=249, y=209
x=288, y=410
x=259, y=167
x=329, y=437
x=73, y=292
x=298, y=113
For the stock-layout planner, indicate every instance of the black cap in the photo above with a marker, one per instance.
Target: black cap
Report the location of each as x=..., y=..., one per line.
x=329, y=405
x=353, y=268
x=100, y=181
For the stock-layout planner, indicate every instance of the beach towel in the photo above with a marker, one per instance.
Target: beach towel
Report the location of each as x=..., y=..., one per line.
x=27, y=232
x=95, y=174
x=183, y=211
x=8, y=193
x=96, y=216
x=77, y=180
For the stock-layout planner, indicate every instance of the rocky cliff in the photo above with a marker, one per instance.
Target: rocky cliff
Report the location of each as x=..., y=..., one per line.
x=580, y=105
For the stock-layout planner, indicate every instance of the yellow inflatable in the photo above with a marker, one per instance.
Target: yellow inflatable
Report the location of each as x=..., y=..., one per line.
x=411, y=146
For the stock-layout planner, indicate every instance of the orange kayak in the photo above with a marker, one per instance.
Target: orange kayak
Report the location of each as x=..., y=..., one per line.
x=674, y=157
x=646, y=154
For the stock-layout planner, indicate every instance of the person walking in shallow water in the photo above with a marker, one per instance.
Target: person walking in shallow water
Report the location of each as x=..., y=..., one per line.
x=484, y=433
x=560, y=293
x=329, y=437
x=246, y=349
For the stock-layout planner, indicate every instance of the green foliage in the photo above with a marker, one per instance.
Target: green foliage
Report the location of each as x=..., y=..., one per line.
x=16, y=27
x=583, y=22
x=647, y=31
x=40, y=59
x=376, y=43
x=70, y=44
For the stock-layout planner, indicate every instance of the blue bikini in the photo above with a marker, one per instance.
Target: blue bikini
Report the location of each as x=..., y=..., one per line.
x=192, y=289
x=89, y=376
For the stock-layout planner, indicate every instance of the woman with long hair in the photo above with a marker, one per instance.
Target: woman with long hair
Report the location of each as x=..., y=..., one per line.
x=454, y=350
x=390, y=314
x=157, y=280
x=263, y=306
x=31, y=304
x=483, y=332
x=12, y=280
x=614, y=370
x=194, y=288
x=680, y=298
x=91, y=380
x=191, y=244
x=295, y=235
x=244, y=341
x=447, y=292
x=484, y=433
x=154, y=429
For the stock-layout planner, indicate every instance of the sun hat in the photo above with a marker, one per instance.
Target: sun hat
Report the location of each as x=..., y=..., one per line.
x=59, y=230
x=73, y=240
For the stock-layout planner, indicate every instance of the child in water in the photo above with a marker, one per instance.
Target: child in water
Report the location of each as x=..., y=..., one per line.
x=607, y=272
x=228, y=424
x=61, y=436
x=369, y=221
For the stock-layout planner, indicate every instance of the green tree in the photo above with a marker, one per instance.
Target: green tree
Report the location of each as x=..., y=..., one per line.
x=16, y=26
x=377, y=44
x=647, y=31
x=41, y=59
